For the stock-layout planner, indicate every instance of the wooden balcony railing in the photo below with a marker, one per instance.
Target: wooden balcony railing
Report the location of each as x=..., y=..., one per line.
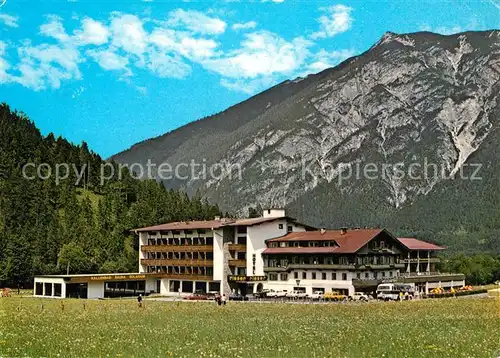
x=238, y=263
x=177, y=248
x=173, y=262
x=237, y=247
x=189, y=277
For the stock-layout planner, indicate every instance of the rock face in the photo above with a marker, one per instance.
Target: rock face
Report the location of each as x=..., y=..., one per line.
x=356, y=144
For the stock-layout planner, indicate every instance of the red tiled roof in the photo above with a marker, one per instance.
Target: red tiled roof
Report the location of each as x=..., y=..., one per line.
x=215, y=224
x=349, y=241
x=186, y=225
x=301, y=250
x=414, y=244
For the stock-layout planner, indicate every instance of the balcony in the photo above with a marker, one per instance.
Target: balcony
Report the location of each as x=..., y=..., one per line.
x=237, y=247
x=177, y=248
x=418, y=277
x=189, y=277
x=173, y=262
x=332, y=267
x=422, y=260
x=238, y=263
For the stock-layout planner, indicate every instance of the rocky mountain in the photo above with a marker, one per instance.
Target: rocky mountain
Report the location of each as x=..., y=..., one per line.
x=404, y=135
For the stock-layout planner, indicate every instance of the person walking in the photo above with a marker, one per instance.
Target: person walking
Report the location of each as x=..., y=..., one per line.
x=139, y=300
x=224, y=299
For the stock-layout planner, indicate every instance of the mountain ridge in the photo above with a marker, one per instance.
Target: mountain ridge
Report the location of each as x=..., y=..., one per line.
x=409, y=98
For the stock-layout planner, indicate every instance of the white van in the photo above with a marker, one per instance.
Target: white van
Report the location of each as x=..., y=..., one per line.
x=390, y=291
x=387, y=292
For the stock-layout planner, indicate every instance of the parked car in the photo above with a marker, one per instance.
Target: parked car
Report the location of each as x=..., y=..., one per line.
x=317, y=295
x=272, y=293
x=297, y=295
x=281, y=294
x=359, y=296
x=334, y=296
x=237, y=297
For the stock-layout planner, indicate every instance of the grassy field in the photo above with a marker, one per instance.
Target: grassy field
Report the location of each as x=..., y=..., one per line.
x=429, y=328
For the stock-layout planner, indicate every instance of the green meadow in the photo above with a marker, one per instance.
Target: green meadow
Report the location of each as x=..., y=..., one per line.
x=110, y=328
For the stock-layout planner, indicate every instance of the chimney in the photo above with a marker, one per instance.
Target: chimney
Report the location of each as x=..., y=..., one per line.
x=343, y=231
x=323, y=230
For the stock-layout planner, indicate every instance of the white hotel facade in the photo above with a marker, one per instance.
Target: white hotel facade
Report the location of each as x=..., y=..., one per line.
x=273, y=251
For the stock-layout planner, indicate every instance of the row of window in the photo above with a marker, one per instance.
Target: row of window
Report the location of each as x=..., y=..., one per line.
x=322, y=243
x=180, y=256
x=327, y=276
x=175, y=232
x=308, y=275
x=181, y=241
x=181, y=270
x=331, y=260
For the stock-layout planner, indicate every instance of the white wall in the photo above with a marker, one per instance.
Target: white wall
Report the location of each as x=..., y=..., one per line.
x=95, y=289
x=309, y=284
x=218, y=268
x=256, y=241
x=51, y=280
x=143, y=240
x=150, y=284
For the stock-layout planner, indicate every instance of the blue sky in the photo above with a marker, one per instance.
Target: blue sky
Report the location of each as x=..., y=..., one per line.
x=113, y=73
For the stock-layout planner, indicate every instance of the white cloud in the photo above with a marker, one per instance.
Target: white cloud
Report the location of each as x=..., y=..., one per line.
x=337, y=19
x=45, y=65
x=4, y=65
x=92, y=33
x=196, y=22
x=54, y=28
x=128, y=33
x=324, y=59
x=245, y=25
x=109, y=60
x=261, y=54
x=170, y=50
x=9, y=20
x=165, y=65
x=183, y=43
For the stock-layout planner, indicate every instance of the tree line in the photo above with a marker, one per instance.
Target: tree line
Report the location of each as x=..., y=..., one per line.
x=74, y=226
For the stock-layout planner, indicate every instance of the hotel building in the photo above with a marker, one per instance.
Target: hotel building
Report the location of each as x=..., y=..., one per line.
x=273, y=251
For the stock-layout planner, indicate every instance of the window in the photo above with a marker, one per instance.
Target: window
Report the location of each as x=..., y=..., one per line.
x=390, y=273
x=280, y=226
x=367, y=275
x=313, y=275
x=383, y=273
x=334, y=276
x=344, y=276
x=323, y=275
x=382, y=244
x=273, y=277
x=289, y=228
x=304, y=275
x=295, y=275
x=284, y=277
x=358, y=275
